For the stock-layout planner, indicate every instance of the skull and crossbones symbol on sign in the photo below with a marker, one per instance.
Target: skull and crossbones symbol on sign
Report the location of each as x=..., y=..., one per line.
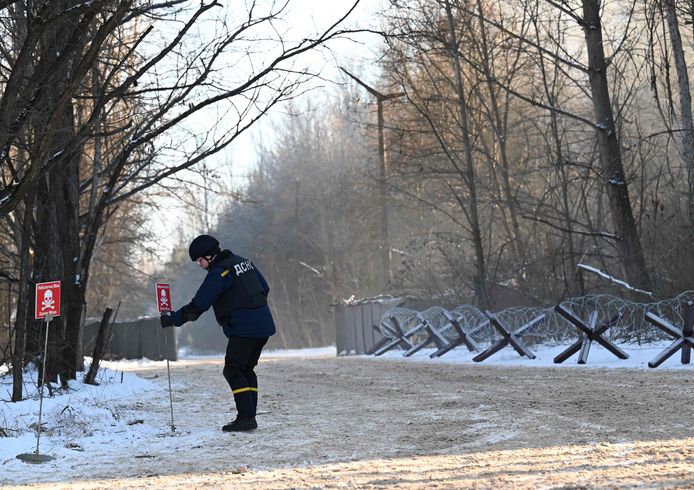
x=48, y=302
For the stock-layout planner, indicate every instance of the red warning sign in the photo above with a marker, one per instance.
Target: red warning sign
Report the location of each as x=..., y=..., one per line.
x=47, y=299
x=164, y=298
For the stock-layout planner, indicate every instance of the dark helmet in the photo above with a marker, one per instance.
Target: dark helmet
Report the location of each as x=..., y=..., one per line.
x=203, y=246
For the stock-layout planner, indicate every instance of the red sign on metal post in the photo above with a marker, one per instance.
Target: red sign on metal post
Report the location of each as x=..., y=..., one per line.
x=164, y=298
x=47, y=300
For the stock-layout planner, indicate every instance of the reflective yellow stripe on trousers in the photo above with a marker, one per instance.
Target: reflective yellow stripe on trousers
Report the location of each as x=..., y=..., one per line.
x=241, y=390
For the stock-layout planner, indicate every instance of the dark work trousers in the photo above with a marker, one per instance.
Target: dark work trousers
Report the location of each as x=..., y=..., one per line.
x=241, y=357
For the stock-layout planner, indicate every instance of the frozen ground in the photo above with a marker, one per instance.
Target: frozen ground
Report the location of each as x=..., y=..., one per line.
x=365, y=422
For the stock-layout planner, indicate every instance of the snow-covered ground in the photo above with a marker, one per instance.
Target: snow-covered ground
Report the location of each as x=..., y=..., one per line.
x=111, y=416
x=327, y=413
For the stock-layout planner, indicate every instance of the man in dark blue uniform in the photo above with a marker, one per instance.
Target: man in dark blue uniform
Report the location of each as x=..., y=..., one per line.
x=237, y=292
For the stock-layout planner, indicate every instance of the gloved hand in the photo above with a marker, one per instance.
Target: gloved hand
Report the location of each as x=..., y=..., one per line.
x=166, y=320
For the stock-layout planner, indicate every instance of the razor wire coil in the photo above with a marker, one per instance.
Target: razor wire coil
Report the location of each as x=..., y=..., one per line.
x=627, y=319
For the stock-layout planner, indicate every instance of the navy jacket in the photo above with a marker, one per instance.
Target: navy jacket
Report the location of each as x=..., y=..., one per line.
x=237, y=291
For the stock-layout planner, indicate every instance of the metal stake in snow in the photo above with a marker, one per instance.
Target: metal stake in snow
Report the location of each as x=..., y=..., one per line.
x=164, y=307
x=46, y=307
x=168, y=371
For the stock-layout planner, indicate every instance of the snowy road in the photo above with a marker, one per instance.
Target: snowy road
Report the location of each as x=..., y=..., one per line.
x=360, y=422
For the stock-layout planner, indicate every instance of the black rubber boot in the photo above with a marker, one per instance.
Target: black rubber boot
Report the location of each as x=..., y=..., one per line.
x=245, y=405
x=241, y=424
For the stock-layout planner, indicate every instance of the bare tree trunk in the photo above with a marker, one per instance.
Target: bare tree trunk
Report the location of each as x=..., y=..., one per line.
x=469, y=171
x=67, y=214
x=628, y=242
x=383, y=197
x=47, y=266
x=99, y=347
x=685, y=97
x=572, y=278
x=23, y=298
x=63, y=184
x=498, y=116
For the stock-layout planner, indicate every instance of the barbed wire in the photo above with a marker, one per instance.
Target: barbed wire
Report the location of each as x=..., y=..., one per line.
x=626, y=318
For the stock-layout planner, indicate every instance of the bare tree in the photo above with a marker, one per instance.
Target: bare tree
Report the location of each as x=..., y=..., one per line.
x=112, y=135
x=679, y=121
x=587, y=15
x=424, y=47
x=628, y=241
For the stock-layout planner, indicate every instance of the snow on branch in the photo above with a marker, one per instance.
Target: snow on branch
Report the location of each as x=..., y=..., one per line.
x=613, y=279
